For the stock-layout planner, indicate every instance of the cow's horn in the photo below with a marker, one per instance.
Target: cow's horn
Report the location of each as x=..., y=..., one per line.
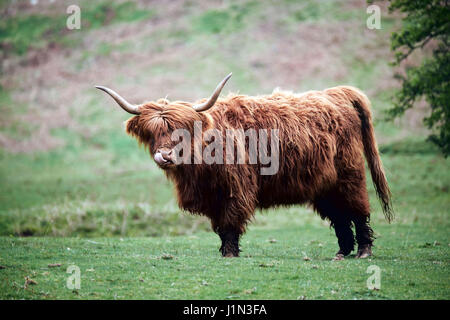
x=128, y=107
x=208, y=104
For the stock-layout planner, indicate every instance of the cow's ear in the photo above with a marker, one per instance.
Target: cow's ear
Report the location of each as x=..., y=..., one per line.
x=132, y=126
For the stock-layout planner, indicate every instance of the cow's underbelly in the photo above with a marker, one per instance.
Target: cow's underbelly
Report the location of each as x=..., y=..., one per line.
x=279, y=199
x=292, y=188
x=281, y=194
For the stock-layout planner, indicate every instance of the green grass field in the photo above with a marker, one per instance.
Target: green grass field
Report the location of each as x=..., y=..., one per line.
x=75, y=190
x=286, y=253
x=189, y=267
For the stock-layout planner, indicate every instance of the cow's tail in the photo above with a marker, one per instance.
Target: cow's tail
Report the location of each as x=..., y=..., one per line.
x=362, y=104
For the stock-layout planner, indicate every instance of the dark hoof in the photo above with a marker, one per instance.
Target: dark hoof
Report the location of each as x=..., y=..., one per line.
x=229, y=251
x=338, y=257
x=230, y=255
x=364, y=251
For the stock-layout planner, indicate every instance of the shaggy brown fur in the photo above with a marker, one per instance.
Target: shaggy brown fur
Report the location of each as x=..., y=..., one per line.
x=323, y=136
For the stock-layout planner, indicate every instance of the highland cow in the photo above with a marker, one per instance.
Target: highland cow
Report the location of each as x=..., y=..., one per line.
x=323, y=137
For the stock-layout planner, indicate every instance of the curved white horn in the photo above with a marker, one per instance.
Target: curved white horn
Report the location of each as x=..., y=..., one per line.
x=128, y=107
x=208, y=104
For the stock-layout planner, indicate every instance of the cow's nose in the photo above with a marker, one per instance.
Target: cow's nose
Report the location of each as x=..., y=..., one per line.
x=167, y=155
x=163, y=156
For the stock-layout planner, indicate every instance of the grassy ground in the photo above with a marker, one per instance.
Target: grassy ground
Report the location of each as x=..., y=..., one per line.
x=286, y=253
x=75, y=190
x=296, y=266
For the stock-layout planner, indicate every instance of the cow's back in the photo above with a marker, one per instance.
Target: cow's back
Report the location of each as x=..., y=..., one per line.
x=313, y=131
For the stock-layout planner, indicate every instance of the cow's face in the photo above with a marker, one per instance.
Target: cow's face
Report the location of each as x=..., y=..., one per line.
x=155, y=122
x=155, y=125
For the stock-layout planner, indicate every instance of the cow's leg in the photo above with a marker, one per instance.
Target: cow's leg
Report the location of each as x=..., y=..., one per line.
x=231, y=223
x=331, y=207
x=355, y=200
x=229, y=235
x=230, y=242
x=364, y=236
x=344, y=233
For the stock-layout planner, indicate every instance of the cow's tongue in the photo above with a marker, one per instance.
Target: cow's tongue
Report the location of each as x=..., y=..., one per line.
x=159, y=158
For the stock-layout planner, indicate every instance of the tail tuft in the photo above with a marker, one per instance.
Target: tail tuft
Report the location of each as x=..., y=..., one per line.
x=362, y=104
